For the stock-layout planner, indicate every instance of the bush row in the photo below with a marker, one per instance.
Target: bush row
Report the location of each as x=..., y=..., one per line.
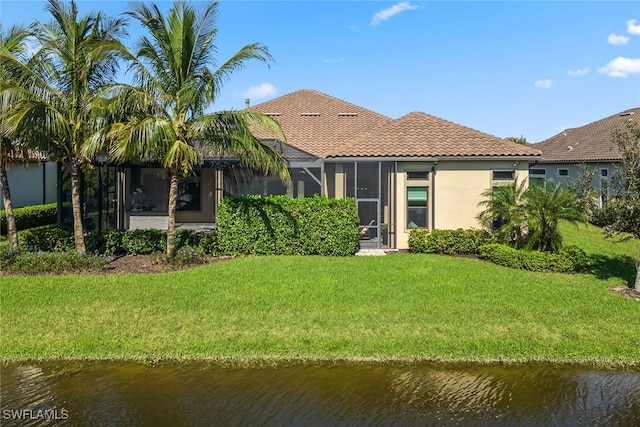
x=111, y=242
x=567, y=260
x=449, y=242
x=21, y=261
x=280, y=225
x=30, y=216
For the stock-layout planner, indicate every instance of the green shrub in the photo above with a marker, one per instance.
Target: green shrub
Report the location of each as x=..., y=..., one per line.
x=47, y=238
x=30, y=216
x=21, y=261
x=281, y=225
x=449, y=242
x=208, y=242
x=569, y=259
x=111, y=242
x=188, y=255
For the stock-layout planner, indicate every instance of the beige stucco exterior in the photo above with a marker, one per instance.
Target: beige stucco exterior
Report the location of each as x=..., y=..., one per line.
x=455, y=191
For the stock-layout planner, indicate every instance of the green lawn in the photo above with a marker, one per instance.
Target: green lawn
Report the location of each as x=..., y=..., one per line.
x=282, y=309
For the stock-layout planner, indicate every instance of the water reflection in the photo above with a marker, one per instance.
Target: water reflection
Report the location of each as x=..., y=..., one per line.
x=198, y=394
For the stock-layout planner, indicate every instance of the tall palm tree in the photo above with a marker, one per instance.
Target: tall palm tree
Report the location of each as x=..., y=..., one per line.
x=13, y=48
x=163, y=114
x=78, y=54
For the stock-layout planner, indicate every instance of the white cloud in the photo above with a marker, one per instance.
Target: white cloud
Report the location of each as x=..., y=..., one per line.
x=621, y=67
x=617, y=40
x=632, y=28
x=333, y=60
x=543, y=84
x=260, y=91
x=581, y=72
x=386, y=14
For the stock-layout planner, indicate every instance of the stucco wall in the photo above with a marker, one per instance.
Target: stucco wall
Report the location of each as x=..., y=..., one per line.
x=34, y=184
x=456, y=190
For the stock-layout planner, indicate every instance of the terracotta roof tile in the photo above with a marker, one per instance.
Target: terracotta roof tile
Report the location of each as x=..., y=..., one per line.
x=421, y=135
x=591, y=142
x=318, y=123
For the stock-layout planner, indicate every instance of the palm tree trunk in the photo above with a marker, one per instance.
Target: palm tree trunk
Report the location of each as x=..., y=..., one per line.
x=12, y=229
x=636, y=286
x=173, y=200
x=77, y=211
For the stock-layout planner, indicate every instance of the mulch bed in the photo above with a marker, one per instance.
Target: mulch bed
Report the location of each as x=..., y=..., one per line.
x=144, y=264
x=626, y=292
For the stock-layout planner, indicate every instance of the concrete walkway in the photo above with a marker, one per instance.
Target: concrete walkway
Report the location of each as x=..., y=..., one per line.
x=371, y=252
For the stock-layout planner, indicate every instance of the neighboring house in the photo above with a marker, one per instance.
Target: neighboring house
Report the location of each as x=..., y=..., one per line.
x=416, y=171
x=566, y=154
x=33, y=183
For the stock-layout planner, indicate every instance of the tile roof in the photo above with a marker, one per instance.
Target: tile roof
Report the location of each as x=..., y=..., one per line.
x=421, y=135
x=591, y=142
x=318, y=123
x=18, y=155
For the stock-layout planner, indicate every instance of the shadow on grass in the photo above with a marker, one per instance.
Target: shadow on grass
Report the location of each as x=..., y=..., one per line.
x=605, y=267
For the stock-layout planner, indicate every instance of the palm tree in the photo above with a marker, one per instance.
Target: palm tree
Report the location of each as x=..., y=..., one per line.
x=529, y=217
x=53, y=97
x=505, y=212
x=164, y=114
x=546, y=205
x=12, y=46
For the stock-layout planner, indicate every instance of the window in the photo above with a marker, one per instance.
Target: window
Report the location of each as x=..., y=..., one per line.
x=537, y=176
x=188, y=194
x=563, y=172
x=604, y=186
x=417, y=198
x=417, y=175
x=503, y=175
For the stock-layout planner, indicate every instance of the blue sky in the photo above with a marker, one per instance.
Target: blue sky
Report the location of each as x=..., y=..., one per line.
x=508, y=68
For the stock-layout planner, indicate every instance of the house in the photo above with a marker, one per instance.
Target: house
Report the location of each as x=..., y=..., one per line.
x=415, y=171
x=33, y=182
x=587, y=148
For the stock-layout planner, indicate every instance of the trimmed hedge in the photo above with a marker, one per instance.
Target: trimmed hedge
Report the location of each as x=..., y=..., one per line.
x=568, y=260
x=280, y=225
x=111, y=242
x=30, y=216
x=449, y=242
x=20, y=261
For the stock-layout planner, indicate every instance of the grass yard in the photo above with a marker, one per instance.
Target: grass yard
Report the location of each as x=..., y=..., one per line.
x=283, y=309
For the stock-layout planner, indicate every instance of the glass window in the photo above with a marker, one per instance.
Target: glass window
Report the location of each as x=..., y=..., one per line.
x=604, y=173
x=503, y=175
x=417, y=198
x=563, y=172
x=415, y=175
x=537, y=172
x=188, y=194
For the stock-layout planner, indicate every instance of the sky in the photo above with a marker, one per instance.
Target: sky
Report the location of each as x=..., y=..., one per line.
x=507, y=68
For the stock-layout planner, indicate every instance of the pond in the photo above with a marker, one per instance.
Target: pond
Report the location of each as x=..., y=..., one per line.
x=121, y=394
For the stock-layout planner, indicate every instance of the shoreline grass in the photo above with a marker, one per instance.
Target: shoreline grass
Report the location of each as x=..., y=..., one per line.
x=265, y=311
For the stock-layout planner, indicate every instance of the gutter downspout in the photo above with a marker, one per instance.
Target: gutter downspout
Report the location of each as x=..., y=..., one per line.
x=433, y=195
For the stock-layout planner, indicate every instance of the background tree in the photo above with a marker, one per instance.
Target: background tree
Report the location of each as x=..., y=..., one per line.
x=12, y=149
x=624, y=210
x=52, y=100
x=529, y=217
x=164, y=112
x=518, y=139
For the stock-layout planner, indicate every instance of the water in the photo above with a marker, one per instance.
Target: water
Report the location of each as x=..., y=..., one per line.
x=195, y=394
